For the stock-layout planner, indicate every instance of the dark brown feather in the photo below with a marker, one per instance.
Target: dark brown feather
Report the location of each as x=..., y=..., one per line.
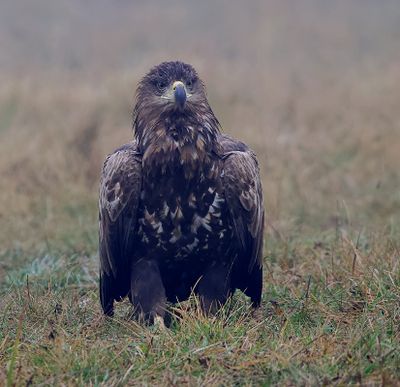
x=120, y=188
x=243, y=193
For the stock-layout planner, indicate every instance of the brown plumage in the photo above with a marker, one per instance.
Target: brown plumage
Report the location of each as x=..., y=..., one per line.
x=181, y=206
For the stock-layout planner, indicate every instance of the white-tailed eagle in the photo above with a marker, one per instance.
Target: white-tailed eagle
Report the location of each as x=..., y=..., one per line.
x=181, y=206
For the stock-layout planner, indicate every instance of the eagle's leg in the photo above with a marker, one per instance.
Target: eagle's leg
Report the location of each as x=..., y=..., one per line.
x=147, y=291
x=214, y=288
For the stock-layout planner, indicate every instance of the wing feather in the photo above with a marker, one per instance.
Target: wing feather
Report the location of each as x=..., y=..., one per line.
x=120, y=187
x=243, y=193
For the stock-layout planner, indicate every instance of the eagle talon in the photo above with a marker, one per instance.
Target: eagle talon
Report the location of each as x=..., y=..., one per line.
x=159, y=323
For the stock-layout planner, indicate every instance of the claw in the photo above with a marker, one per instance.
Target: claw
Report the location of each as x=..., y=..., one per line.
x=159, y=323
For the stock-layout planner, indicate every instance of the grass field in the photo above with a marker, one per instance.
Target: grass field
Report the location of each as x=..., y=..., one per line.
x=330, y=315
x=314, y=90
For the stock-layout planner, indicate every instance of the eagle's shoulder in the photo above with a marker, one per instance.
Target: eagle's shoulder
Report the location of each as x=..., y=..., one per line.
x=120, y=178
x=229, y=144
x=121, y=159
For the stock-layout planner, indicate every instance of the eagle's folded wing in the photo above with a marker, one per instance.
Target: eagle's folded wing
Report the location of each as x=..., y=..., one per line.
x=120, y=187
x=243, y=193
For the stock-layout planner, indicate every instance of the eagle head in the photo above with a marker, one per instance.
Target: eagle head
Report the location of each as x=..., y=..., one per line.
x=172, y=110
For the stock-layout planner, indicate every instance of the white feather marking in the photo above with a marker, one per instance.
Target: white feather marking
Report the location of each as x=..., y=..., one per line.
x=165, y=210
x=192, y=200
x=149, y=217
x=117, y=189
x=198, y=221
x=218, y=200
x=176, y=234
x=177, y=214
x=144, y=236
x=192, y=246
x=159, y=228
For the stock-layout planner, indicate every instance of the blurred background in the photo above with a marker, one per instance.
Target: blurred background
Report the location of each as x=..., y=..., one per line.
x=312, y=85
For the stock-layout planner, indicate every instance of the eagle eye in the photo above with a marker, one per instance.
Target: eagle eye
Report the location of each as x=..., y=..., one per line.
x=190, y=82
x=161, y=85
